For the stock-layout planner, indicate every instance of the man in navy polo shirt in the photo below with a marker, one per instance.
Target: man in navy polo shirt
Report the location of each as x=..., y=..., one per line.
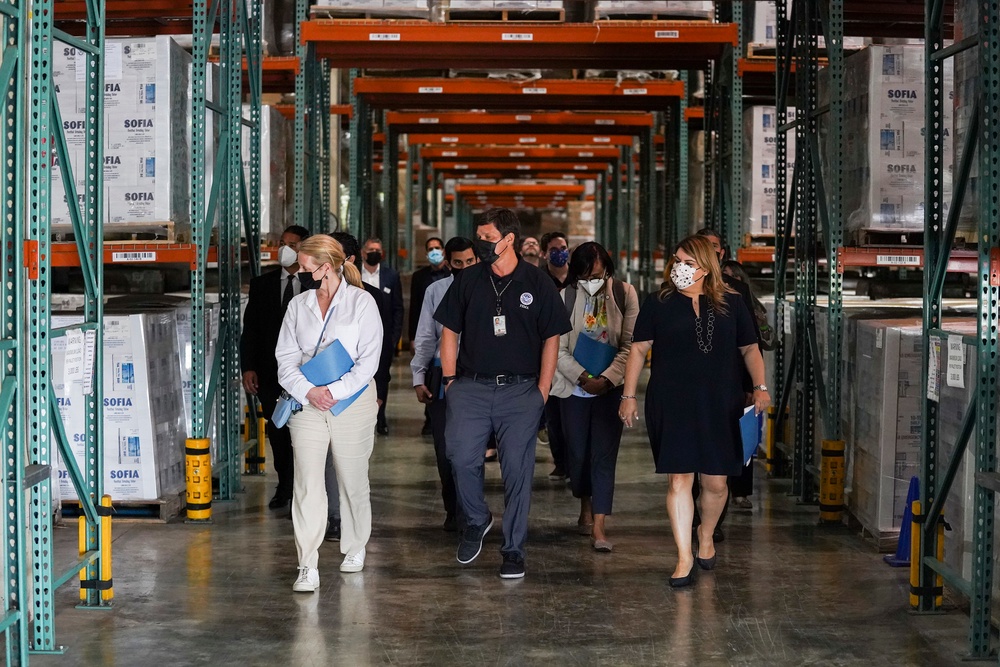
x=510, y=318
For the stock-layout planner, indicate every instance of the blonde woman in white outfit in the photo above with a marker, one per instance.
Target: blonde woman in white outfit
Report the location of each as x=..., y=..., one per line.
x=350, y=315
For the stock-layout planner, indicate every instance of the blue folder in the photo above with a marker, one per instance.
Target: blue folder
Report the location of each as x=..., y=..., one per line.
x=329, y=366
x=594, y=356
x=750, y=426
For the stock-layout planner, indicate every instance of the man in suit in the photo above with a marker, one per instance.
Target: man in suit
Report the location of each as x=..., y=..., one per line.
x=422, y=278
x=384, y=278
x=268, y=300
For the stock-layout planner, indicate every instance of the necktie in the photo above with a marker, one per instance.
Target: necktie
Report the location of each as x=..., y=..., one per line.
x=289, y=292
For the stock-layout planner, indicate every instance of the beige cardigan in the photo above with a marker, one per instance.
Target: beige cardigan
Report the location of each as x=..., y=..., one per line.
x=620, y=326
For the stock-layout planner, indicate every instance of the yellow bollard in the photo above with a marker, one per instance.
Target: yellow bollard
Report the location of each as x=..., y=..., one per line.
x=107, y=594
x=770, y=436
x=248, y=466
x=831, y=481
x=261, y=445
x=82, y=523
x=915, y=536
x=198, y=479
x=939, y=580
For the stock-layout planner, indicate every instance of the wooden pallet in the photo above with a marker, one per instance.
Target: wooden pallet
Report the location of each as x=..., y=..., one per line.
x=160, y=510
x=504, y=15
x=368, y=12
x=132, y=231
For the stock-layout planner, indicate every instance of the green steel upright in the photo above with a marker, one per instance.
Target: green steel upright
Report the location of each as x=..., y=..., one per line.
x=784, y=209
x=681, y=186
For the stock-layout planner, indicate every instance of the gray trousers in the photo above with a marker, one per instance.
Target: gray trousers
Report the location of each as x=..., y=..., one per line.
x=475, y=412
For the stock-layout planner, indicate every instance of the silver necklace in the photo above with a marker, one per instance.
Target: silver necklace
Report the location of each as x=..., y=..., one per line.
x=705, y=344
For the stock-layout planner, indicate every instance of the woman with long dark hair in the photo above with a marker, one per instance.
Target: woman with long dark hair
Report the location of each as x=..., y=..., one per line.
x=701, y=335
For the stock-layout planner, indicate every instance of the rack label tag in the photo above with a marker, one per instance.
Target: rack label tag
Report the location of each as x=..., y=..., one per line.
x=604, y=121
x=602, y=140
x=534, y=91
x=517, y=37
x=430, y=90
x=634, y=91
x=383, y=37
x=668, y=34
x=897, y=260
x=428, y=121
x=117, y=257
x=956, y=362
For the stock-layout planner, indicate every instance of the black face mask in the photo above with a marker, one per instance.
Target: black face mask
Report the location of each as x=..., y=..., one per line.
x=373, y=258
x=486, y=251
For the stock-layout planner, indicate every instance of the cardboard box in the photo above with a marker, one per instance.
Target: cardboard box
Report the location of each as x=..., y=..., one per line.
x=274, y=209
x=760, y=168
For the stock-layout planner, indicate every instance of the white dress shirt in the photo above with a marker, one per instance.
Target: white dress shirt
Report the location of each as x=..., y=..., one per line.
x=355, y=321
x=371, y=277
x=427, y=341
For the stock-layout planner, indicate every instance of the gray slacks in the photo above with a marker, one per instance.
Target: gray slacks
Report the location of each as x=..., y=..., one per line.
x=476, y=411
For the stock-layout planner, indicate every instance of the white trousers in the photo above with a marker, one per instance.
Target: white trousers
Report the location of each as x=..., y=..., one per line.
x=351, y=438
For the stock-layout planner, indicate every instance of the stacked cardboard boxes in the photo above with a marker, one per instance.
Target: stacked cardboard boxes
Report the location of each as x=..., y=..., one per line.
x=147, y=133
x=883, y=165
x=765, y=29
x=142, y=409
x=760, y=157
x=697, y=10
x=967, y=90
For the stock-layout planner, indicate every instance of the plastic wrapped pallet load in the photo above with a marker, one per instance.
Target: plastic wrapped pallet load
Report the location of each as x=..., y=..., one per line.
x=274, y=210
x=142, y=409
x=883, y=163
x=765, y=29
x=377, y=8
x=966, y=93
x=760, y=157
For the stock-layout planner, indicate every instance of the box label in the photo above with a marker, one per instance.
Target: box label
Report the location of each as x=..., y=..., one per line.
x=934, y=371
x=956, y=362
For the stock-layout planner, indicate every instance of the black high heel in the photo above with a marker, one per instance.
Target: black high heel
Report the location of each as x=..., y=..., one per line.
x=706, y=563
x=681, y=582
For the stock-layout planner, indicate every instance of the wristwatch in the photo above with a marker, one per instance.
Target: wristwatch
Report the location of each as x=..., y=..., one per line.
x=448, y=378
x=760, y=387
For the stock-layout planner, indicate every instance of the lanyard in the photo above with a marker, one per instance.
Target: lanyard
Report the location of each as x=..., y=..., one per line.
x=499, y=294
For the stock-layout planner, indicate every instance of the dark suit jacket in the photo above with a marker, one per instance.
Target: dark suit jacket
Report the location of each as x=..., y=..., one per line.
x=392, y=291
x=384, y=304
x=419, y=282
x=261, y=326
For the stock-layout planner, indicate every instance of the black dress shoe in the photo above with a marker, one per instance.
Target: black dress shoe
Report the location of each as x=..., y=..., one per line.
x=333, y=531
x=382, y=429
x=681, y=582
x=706, y=563
x=279, y=502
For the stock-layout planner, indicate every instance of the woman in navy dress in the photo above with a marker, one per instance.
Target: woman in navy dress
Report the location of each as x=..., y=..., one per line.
x=702, y=337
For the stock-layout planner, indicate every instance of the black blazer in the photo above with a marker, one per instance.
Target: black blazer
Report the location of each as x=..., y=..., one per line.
x=392, y=291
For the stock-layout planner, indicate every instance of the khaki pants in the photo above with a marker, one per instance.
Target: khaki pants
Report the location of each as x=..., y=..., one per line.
x=351, y=438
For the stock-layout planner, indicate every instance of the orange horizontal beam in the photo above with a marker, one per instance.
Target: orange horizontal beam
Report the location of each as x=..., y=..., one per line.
x=609, y=45
x=524, y=189
x=960, y=261
x=694, y=113
x=288, y=110
x=520, y=139
x=478, y=93
x=524, y=166
x=546, y=176
x=118, y=254
x=518, y=153
x=569, y=121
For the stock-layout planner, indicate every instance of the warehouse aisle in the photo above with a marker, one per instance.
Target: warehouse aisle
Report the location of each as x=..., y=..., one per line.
x=786, y=592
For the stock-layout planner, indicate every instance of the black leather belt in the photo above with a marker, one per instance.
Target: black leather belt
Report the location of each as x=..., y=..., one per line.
x=499, y=380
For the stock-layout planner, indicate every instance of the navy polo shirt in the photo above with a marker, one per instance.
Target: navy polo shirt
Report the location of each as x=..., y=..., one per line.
x=529, y=302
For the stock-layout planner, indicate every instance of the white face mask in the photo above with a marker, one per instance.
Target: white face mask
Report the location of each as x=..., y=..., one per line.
x=682, y=275
x=592, y=286
x=286, y=256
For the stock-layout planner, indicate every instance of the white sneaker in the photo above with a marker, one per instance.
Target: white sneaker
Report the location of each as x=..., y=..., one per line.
x=354, y=563
x=308, y=580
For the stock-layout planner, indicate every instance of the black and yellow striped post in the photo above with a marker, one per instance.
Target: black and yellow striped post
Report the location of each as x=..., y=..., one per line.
x=198, y=479
x=255, y=457
x=770, y=437
x=916, y=548
x=831, y=481
x=105, y=584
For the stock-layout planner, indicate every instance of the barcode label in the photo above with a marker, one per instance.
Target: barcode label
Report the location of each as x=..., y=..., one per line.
x=535, y=91
x=461, y=166
x=897, y=260
x=523, y=118
x=428, y=121
x=523, y=167
x=449, y=140
x=449, y=153
x=527, y=140
x=265, y=256
x=117, y=257
x=517, y=37
x=430, y=89
x=604, y=121
x=585, y=154
x=667, y=34
x=602, y=140
x=516, y=154
x=579, y=167
x=383, y=37
x=634, y=91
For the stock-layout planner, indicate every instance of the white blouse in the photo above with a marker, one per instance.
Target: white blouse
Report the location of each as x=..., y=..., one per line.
x=355, y=321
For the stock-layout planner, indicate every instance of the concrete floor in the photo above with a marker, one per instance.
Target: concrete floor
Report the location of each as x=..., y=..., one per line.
x=786, y=591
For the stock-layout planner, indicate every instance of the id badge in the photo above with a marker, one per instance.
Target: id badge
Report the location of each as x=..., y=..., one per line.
x=500, y=325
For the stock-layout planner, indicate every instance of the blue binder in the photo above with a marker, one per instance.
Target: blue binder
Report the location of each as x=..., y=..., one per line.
x=329, y=366
x=750, y=426
x=594, y=356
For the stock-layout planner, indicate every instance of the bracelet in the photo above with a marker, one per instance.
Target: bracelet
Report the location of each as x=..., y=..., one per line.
x=623, y=398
